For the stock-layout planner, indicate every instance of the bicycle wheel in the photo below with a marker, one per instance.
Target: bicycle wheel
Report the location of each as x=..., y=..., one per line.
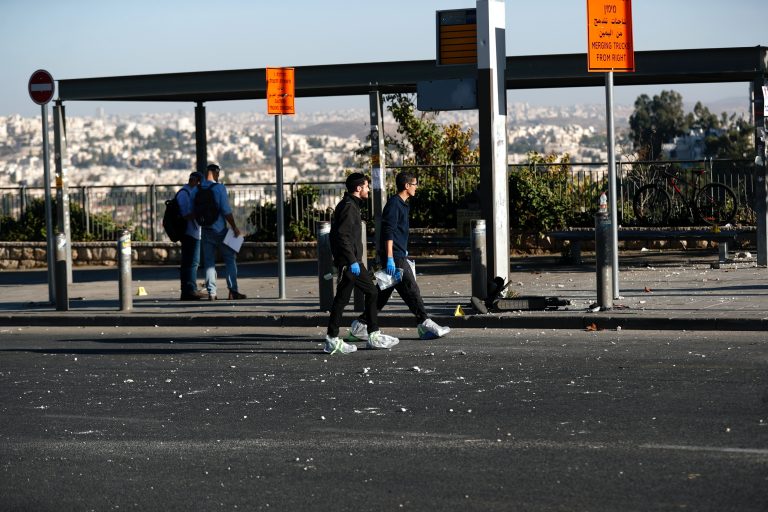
x=716, y=204
x=652, y=205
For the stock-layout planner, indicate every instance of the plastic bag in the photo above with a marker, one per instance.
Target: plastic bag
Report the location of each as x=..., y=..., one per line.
x=384, y=280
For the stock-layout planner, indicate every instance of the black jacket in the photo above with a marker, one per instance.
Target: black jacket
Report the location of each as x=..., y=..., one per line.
x=346, y=232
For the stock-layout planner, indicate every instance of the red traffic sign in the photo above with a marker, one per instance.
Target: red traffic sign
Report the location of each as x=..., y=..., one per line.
x=41, y=87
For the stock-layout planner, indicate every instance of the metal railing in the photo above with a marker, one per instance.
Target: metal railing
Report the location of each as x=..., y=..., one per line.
x=101, y=210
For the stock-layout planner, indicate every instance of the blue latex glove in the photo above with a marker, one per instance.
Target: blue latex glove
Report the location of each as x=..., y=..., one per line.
x=391, y=266
x=355, y=268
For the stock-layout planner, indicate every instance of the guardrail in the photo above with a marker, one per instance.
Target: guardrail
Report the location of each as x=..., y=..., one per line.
x=102, y=210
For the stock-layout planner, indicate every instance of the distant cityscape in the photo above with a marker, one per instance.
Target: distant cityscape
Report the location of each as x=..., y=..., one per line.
x=160, y=148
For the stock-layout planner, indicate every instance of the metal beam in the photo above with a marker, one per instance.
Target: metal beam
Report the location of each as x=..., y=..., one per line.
x=522, y=72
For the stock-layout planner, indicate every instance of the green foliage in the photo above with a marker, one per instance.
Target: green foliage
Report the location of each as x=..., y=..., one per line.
x=659, y=120
x=656, y=121
x=31, y=228
x=422, y=140
x=538, y=198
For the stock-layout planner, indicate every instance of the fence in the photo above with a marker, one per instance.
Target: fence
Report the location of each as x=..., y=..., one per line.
x=99, y=209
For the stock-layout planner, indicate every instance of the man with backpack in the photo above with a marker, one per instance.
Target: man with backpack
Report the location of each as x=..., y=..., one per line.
x=213, y=212
x=190, y=239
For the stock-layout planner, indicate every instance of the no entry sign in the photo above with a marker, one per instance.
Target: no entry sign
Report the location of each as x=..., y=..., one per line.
x=41, y=87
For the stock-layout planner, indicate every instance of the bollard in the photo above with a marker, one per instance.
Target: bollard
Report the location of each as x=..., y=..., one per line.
x=360, y=296
x=479, y=260
x=62, y=291
x=603, y=260
x=124, y=260
x=324, y=266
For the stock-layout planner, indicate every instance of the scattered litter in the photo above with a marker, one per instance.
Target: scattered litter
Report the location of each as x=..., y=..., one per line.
x=593, y=327
x=647, y=290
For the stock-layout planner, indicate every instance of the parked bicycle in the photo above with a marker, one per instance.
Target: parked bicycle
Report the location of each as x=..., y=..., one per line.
x=712, y=203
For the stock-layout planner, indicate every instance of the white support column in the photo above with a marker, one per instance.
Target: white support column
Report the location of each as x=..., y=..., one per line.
x=492, y=105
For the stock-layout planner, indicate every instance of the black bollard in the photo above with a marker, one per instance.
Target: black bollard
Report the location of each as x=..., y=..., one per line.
x=62, y=290
x=324, y=266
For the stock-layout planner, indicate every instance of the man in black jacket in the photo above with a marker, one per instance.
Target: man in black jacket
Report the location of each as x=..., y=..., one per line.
x=347, y=248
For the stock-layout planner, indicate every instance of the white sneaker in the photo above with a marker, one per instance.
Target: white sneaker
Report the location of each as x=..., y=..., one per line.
x=429, y=330
x=357, y=332
x=334, y=345
x=378, y=340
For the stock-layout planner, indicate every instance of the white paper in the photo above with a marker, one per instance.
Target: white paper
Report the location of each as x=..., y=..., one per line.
x=234, y=242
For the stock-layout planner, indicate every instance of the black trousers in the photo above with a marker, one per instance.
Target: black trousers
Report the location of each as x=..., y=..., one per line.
x=408, y=290
x=347, y=283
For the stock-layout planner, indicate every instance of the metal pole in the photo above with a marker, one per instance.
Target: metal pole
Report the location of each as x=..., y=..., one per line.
x=124, y=260
x=324, y=265
x=62, y=188
x=23, y=203
x=280, y=207
x=603, y=260
x=201, y=138
x=479, y=261
x=378, y=165
x=761, y=170
x=153, y=212
x=87, y=209
x=612, y=184
x=49, y=237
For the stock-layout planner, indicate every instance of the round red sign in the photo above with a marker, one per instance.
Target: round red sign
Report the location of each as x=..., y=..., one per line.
x=41, y=87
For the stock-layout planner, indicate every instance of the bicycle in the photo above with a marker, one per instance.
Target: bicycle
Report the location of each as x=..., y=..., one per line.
x=713, y=203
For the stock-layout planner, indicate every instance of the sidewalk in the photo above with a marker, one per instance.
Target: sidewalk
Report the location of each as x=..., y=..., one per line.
x=670, y=290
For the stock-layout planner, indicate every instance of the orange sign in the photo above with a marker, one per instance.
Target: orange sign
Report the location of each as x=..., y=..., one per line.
x=280, y=91
x=609, y=35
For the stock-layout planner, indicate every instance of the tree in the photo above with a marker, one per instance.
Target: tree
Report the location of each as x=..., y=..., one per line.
x=733, y=141
x=656, y=121
x=423, y=141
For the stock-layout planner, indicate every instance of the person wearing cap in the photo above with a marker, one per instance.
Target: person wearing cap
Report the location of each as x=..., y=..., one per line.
x=213, y=238
x=190, y=240
x=395, y=230
x=347, y=249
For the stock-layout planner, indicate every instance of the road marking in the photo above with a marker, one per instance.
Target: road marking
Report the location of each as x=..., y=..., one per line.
x=721, y=449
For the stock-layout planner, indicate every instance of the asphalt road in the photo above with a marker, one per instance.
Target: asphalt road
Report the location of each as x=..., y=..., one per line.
x=229, y=419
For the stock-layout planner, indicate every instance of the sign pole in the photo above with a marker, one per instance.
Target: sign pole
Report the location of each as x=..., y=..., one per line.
x=41, y=88
x=280, y=100
x=49, y=237
x=610, y=48
x=280, y=206
x=378, y=165
x=612, y=183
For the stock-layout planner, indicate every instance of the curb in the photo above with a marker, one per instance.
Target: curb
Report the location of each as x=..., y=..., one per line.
x=579, y=321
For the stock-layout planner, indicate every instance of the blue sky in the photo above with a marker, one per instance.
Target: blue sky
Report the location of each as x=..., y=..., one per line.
x=89, y=38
